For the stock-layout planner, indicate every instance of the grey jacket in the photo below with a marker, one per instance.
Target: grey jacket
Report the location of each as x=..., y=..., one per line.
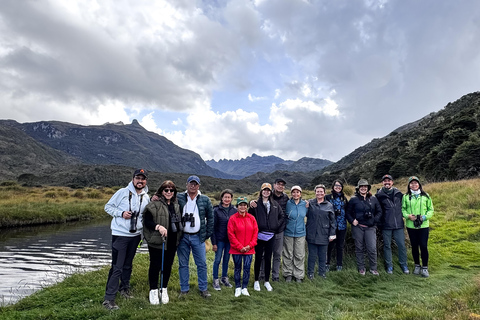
x=321, y=223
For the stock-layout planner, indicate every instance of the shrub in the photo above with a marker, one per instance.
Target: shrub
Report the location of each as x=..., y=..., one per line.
x=94, y=194
x=50, y=194
x=79, y=194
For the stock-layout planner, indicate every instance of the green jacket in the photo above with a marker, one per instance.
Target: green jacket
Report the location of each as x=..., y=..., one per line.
x=161, y=216
x=205, y=210
x=417, y=205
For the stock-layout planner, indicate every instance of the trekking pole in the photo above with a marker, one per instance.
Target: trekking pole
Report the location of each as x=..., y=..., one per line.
x=161, y=271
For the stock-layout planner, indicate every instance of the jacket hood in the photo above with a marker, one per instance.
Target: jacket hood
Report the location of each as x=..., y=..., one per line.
x=132, y=189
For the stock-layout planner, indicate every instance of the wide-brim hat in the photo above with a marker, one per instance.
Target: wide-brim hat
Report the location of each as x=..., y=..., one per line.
x=363, y=182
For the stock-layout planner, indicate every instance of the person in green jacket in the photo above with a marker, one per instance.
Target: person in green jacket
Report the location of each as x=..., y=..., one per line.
x=417, y=209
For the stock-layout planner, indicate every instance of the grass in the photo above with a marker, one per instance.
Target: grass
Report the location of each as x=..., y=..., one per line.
x=451, y=292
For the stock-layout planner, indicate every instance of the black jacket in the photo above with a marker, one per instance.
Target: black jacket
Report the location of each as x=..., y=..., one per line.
x=271, y=222
x=220, y=221
x=282, y=200
x=392, y=217
x=321, y=222
x=359, y=208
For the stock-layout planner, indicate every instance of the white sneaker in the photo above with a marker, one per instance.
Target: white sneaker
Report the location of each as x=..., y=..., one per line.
x=164, y=294
x=238, y=292
x=245, y=292
x=256, y=286
x=154, y=296
x=268, y=286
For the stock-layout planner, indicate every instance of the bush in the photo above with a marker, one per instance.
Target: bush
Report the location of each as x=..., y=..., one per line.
x=79, y=194
x=50, y=194
x=94, y=194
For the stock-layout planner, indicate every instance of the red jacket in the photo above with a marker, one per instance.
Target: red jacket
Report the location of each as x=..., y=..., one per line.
x=242, y=231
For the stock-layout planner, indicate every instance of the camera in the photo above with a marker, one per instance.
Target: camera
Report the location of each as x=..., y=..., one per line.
x=338, y=212
x=368, y=215
x=133, y=222
x=188, y=217
x=176, y=223
x=418, y=223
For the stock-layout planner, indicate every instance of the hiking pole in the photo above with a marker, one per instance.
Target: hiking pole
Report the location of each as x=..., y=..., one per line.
x=161, y=271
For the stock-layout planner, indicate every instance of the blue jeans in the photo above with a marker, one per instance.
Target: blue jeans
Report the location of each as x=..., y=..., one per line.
x=222, y=248
x=399, y=236
x=316, y=251
x=192, y=243
x=247, y=262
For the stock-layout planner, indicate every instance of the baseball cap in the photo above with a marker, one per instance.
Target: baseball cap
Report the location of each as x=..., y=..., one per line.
x=266, y=186
x=387, y=176
x=140, y=172
x=242, y=200
x=296, y=188
x=280, y=180
x=193, y=178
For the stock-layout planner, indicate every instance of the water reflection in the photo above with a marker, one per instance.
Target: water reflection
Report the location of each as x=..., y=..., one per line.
x=35, y=257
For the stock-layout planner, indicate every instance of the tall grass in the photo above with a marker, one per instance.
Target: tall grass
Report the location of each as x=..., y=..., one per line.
x=451, y=292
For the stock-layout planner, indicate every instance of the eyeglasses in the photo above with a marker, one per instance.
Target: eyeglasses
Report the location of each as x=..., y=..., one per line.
x=338, y=185
x=168, y=190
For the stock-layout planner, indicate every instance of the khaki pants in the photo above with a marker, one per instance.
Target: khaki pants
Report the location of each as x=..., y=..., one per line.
x=294, y=257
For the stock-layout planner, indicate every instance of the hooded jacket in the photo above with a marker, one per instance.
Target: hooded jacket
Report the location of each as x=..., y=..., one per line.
x=417, y=205
x=242, y=231
x=391, y=204
x=127, y=199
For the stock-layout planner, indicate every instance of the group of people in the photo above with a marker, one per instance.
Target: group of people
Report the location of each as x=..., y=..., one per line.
x=273, y=227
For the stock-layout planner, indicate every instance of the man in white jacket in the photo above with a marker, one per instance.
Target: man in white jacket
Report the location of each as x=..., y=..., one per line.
x=126, y=207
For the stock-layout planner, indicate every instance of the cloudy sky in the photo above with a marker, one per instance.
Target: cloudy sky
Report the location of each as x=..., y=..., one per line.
x=290, y=78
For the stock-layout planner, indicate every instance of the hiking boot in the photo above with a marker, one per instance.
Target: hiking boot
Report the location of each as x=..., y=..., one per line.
x=268, y=286
x=183, y=294
x=374, y=272
x=238, y=292
x=299, y=280
x=275, y=279
x=256, y=286
x=310, y=276
x=205, y=294
x=288, y=279
x=417, y=269
x=226, y=283
x=424, y=272
x=405, y=270
x=126, y=294
x=153, y=297
x=164, y=296
x=216, y=285
x=362, y=272
x=327, y=268
x=390, y=270
x=339, y=268
x=323, y=275
x=110, y=305
x=245, y=292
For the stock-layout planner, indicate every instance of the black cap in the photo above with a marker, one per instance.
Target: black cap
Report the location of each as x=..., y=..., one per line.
x=140, y=172
x=387, y=176
x=280, y=180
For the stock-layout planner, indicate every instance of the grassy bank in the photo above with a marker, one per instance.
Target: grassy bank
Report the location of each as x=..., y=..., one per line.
x=451, y=292
x=21, y=206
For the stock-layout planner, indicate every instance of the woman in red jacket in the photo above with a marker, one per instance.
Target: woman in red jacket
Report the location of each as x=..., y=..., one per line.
x=242, y=233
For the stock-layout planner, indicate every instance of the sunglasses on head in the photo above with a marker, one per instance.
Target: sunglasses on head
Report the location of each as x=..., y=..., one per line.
x=168, y=190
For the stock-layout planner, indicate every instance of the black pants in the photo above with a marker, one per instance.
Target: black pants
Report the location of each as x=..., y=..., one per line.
x=339, y=243
x=261, y=248
x=156, y=262
x=419, y=239
x=123, y=252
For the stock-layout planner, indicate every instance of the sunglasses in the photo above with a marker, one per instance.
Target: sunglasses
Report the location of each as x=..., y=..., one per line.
x=168, y=190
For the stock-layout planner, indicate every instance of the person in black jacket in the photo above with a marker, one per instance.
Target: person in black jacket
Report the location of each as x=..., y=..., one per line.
x=339, y=201
x=364, y=214
x=320, y=227
x=390, y=199
x=220, y=242
x=270, y=219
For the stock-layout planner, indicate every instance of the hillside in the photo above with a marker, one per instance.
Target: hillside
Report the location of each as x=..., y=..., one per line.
x=109, y=144
x=444, y=145
x=255, y=163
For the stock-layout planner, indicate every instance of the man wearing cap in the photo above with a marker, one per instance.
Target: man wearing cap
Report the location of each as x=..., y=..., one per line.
x=197, y=214
x=392, y=224
x=281, y=198
x=126, y=207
